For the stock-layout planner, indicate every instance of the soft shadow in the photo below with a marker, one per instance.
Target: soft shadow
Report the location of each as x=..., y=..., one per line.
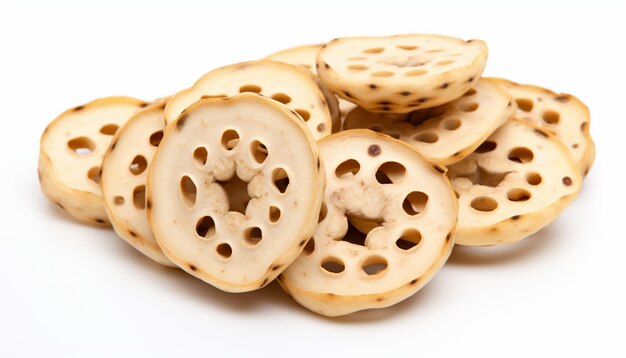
x=500, y=254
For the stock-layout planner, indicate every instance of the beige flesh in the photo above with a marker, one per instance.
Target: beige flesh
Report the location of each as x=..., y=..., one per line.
x=514, y=184
x=124, y=175
x=234, y=191
x=562, y=114
x=71, y=152
x=407, y=210
x=448, y=133
x=304, y=56
x=399, y=74
x=291, y=85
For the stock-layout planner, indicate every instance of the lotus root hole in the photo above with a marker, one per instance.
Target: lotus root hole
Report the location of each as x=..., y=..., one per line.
x=410, y=238
x=444, y=62
x=253, y=235
x=524, y=104
x=468, y=106
x=139, y=197
x=435, y=50
x=259, y=151
x=551, y=117
x=237, y=192
x=518, y=194
x=94, y=174
x=310, y=247
x=390, y=173
x=427, y=137
x=407, y=47
x=415, y=73
x=274, y=214
x=188, y=191
x=109, y=129
x=374, y=50
x=200, y=156
x=281, y=97
x=484, y=203
x=304, y=114
x=451, y=123
x=354, y=235
x=358, y=67
x=224, y=250
x=486, y=147
x=348, y=168
x=81, y=145
x=521, y=155
x=138, y=165
x=374, y=265
x=382, y=74
x=533, y=178
x=250, y=88
x=415, y=202
x=323, y=213
x=280, y=180
x=155, y=138
x=333, y=265
x=470, y=92
x=230, y=139
x=205, y=227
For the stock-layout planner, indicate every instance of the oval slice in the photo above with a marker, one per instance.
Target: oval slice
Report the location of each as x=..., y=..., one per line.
x=289, y=85
x=124, y=175
x=447, y=133
x=234, y=191
x=385, y=228
x=398, y=74
x=71, y=152
x=562, y=114
x=514, y=184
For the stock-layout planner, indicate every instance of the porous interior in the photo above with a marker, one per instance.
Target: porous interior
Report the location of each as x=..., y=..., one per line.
x=234, y=189
x=384, y=220
x=563, y=115
x=401, y=58
x=76, y=143
x=289, y=85
x=441, y=132
x=303, y=56
x=125, y=175
x=518, y=170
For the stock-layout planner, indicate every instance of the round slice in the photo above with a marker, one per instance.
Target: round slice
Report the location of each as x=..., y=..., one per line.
x=399, y=74
x=304, y=56
x=287, y=84
x=562, y=114
x=234, y=191
x=514, y=184
x=123, y=179
x=385, y=227
x=447, y=133
x=71, y=152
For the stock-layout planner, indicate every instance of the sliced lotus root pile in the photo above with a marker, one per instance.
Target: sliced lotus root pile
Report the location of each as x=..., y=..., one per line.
x=287, y=84
x=514, y=184
x=400, y=74
x=385, y=228
x=447, y=133
x=234, y=191
x=71, y=152
x=123, y=179
x=305, y=56
x=562, y=114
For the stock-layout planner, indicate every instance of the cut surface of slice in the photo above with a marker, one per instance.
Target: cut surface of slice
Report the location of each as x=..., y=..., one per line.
x=290, y=85
x=385, y=228
x=448, y=133
x=514, y=184
x=234, y=191
x=123, y=179
x=562, y=114
x=399, y=74
x=71, y=152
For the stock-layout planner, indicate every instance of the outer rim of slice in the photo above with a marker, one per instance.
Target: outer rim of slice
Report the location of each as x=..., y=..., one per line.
x=121, y=225
x=81, y=205
x=281, y=261
x=586, y=161
x=333, y=304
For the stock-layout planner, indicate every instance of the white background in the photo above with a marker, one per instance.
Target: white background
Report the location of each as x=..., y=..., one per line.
x=70, y=290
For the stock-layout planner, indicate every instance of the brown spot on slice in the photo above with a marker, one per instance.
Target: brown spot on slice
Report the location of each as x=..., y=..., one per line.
x=79, y=108
x=567, y=181
x=263, y=283
x=192, y=267
x=99, y=221
x=562, y=98
x=320, y=127
x=515, y=217
x=405, y=93
x=132, y=233
x=541, y=133
x=444, y=85
x=414, y=281
x=276, y=267
x=373, y=150
x=118, y=200
x=373, y=86
x=180, y=123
